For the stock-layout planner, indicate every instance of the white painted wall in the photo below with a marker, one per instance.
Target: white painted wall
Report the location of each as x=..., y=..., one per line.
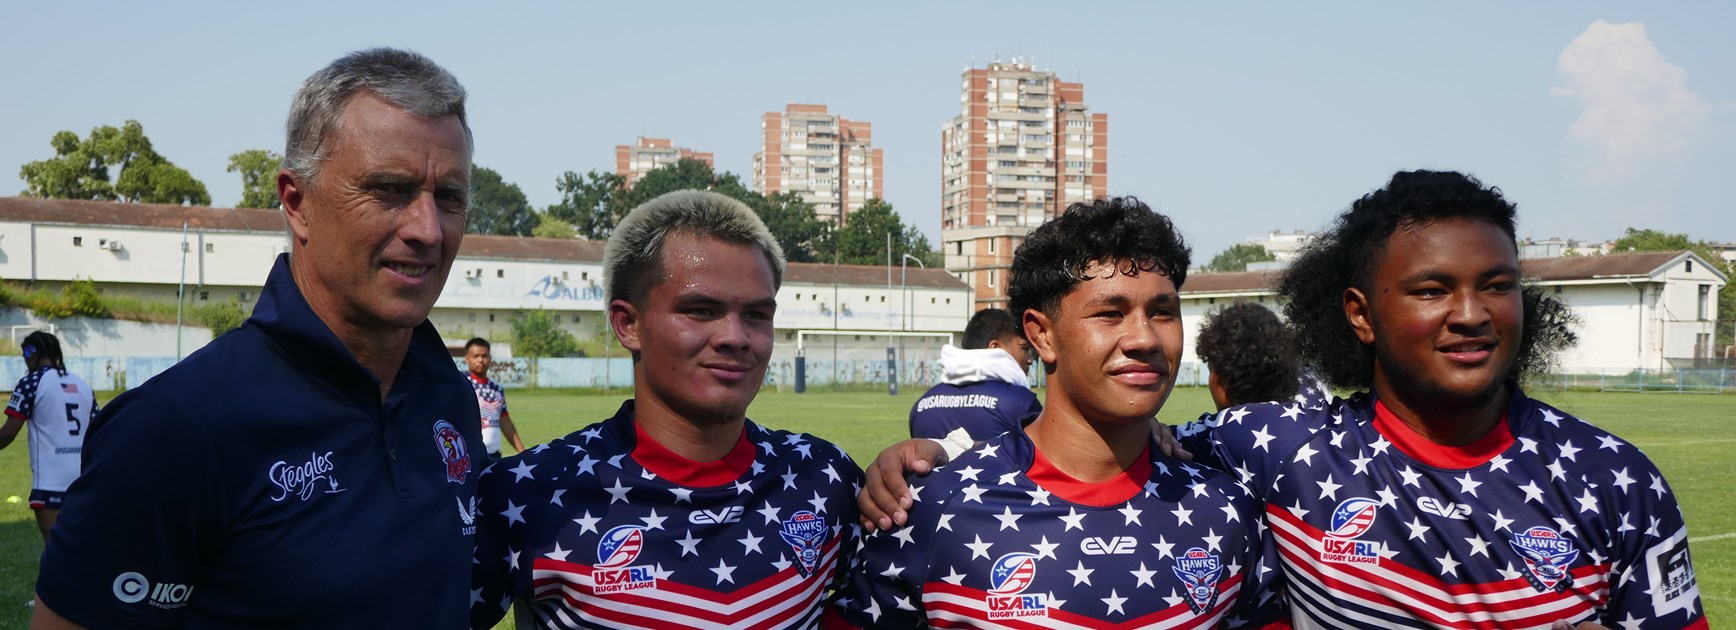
x=82, y=337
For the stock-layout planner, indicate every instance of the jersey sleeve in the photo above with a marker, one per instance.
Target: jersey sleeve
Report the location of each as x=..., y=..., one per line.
x=883, y=587
x=1652, y=574
x=23, y=402
x=139, y=521
x=1257, y=603
x=1250, y=441
x=496, y=572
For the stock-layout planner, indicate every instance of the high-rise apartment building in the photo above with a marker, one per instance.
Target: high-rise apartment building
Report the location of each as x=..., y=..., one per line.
x=828, y=159
x=647, y=154
x=1022, y=148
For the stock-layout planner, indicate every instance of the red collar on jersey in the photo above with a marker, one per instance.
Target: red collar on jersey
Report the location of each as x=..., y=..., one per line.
x=476, y=379
x=680, y=470
x=1114, y=491
x=1460, y=457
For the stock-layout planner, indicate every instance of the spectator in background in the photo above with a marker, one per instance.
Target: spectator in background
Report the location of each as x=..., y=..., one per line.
x=1251, y=355
x=58, y=405
x=490, y=399
x=984, y=389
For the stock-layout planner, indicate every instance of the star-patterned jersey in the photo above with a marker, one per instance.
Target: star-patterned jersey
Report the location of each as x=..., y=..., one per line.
x=1547, y=519
x=491, y=402
x=58, y=406
x=983, y=409
x=1000, y=538
x=605, y=528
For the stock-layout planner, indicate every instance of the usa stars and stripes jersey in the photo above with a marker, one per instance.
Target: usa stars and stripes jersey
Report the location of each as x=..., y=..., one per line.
x=993, y=543
x=58, y=406
x=491, y=402
x=604, y=528
x=1547, y=519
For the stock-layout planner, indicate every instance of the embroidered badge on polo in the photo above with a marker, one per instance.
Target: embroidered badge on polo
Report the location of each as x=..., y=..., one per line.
x=452, y=450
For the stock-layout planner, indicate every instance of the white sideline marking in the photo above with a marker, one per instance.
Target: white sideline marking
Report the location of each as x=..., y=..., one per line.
x=1711, y=538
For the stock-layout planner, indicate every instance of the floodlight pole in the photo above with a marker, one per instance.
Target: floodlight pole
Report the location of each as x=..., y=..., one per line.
x=904, y=289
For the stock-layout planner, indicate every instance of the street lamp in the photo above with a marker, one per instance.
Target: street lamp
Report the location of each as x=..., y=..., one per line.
x=903, y=271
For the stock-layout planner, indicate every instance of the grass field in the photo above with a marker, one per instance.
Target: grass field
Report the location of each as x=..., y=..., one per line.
x=1691, y=437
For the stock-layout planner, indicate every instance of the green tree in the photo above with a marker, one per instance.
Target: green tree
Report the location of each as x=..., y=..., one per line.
x=537, y=333
x=793, y=222
x=547, y=226
x=1237, y=257
x=80, y=170
x=588, y=203
x=258, y=168
x=1645, y=240
x=862, y=240
x=498, y=207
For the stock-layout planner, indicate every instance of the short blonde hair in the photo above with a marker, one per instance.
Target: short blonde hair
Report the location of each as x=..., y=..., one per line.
x=633, y=257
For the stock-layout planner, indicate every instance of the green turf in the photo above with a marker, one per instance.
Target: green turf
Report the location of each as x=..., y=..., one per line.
x=1689, y=436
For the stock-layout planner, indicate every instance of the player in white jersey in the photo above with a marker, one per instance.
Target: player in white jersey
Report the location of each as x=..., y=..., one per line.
x=58, y=405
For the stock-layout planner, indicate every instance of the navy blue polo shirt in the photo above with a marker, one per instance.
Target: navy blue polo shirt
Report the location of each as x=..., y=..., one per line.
x=261, y=483
x=984, y=409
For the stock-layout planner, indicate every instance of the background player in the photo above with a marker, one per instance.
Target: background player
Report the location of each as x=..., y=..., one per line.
x=58, y=405
x=1251, y=355
x=984, y=389
x=678, y=511
x=1078, y=521
x=490, y=400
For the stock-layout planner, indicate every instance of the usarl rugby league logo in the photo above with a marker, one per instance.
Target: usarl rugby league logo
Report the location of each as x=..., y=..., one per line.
x=1010, y=576
x=806, y=534
x=1350, y=520
x=1547, y=556
x=618, y=549
x=452, y=450
x=1199, y=572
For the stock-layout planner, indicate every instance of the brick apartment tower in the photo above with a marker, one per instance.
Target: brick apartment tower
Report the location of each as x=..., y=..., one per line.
x=1022, y=148
x=647, y=154
x=828, y=159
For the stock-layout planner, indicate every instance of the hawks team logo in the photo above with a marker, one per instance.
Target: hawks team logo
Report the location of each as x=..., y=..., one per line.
x=452, y=450
x=806, y=533
x=619, y=547
x=1350, y=520
x=1199, y=571
x=1010, y=576
x=1547, y=556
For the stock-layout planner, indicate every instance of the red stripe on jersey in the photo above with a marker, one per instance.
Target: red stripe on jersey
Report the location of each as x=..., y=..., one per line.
x=672, y=466
x=1382, y=588
x=1109, y=492
x=1420, y=448
x=15, y=414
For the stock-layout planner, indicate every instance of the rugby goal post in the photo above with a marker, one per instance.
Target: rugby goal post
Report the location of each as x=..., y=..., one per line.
x=891, y=353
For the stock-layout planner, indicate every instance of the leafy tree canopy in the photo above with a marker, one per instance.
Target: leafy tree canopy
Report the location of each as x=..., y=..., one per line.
x=80, y=170
x=497, y=206
x=1237, y=257
x=258, y=169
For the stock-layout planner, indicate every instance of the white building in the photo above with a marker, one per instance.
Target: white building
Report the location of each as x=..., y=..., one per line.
x=1646, y=310
x=139, y=249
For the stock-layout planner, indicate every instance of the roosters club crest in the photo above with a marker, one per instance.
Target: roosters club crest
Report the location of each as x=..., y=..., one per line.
x=452, y=450
x=1199, y=572
x=806, y=533
x=1547, y=556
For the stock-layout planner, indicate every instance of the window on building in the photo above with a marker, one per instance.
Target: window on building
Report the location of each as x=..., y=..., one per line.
x=78, y=241
x=204, y=295
x=991, y=277
x=1690, y=266
x=472, y=317
x=992, y=245
x=1705, y=300
x=500, y=273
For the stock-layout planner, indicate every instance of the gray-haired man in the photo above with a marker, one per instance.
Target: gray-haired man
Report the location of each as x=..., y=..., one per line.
x=315, y=467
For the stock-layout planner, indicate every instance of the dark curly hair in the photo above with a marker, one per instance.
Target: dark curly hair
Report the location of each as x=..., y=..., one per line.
x=1249, y=348
x=1313, y=286
x=1123, y=231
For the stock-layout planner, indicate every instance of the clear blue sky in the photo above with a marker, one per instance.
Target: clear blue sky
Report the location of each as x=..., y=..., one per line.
x=1233, y=118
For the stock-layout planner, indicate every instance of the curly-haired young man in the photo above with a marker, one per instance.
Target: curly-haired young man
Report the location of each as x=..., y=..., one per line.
x=1250, y=353
x=1444, y=496
x=1070, y=522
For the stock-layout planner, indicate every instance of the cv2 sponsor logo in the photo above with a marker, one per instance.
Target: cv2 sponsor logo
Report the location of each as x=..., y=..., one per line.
x=615, y=552
x=1350, y=520
x=1008, y=579
x=724, y=516
x=303, y=479
x=1446, y=509
x=1113, y=546
x=132, y=587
